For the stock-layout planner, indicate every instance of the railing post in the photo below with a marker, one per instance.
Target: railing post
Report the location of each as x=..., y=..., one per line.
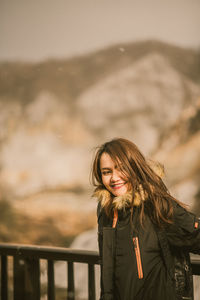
x=19, y=278
x=32, y=279
x=4, y=277
x=195, y=267
x=51, y=281
x=70, y=276
x=91, y=282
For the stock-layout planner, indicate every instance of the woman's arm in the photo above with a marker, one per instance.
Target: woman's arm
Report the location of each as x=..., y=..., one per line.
x=185, y=230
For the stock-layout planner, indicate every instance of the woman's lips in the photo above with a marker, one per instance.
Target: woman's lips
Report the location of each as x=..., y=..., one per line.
x=117, y=185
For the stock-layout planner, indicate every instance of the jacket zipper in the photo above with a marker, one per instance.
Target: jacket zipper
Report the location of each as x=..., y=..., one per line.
x=138, y=257
x=136, y=247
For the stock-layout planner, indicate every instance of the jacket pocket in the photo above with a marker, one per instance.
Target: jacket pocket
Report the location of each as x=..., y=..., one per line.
x=138, y=257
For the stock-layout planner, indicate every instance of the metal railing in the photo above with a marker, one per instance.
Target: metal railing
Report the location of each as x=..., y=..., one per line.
x=26, y=270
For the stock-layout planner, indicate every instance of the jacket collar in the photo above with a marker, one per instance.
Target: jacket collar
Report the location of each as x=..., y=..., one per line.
x=119, y=202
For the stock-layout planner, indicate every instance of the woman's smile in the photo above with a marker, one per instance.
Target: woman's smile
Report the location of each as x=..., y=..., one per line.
x=117, y=185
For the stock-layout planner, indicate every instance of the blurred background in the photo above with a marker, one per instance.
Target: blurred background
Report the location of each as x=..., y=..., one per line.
x=75, y=73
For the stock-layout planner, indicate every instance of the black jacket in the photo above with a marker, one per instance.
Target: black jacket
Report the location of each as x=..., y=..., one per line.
x=147, y=263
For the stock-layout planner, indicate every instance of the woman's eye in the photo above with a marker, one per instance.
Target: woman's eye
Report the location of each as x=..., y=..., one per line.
x=106, y=172
x=120, y=168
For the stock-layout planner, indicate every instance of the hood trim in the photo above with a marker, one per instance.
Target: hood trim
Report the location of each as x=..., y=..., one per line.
x=119, y=202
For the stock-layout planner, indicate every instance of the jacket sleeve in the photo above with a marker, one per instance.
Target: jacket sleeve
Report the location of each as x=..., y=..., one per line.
x=105, y=241
x=184, y=232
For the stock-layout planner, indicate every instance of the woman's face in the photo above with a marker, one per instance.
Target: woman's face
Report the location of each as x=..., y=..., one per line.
x=112, y=177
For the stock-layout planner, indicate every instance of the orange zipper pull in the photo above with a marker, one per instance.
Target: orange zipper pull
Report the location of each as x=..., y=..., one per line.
x=115, y=218
x=138, y=257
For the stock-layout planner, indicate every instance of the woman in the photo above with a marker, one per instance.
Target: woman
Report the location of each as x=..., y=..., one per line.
x=144, y=234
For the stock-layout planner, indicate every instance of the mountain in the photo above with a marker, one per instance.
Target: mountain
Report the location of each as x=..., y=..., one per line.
x=69, y=78
x=136, y=100
x=54, y=114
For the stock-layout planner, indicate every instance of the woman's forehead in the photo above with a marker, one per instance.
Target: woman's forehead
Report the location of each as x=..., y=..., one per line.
x=107, y=160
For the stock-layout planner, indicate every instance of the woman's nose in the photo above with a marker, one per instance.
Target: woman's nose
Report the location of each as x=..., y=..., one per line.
x=115, y=176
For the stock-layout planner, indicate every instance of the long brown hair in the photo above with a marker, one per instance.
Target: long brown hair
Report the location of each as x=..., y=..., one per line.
x=134, y=166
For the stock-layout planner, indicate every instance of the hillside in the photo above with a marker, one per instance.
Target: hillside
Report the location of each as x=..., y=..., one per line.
x=55, y=112
x=68, y=78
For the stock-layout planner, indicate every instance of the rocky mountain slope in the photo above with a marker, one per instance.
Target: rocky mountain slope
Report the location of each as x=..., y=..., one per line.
x=54, y=113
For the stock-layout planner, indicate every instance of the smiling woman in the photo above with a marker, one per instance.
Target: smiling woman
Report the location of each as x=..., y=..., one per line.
x=144, y=234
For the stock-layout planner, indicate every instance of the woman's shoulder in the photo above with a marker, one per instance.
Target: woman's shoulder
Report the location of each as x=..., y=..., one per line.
x=99, y=209
x=184, y=218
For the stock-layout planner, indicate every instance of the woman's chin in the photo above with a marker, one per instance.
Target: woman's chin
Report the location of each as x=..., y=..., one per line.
x=119, y=192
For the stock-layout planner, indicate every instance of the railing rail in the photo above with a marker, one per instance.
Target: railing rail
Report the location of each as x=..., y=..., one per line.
x=26, y=270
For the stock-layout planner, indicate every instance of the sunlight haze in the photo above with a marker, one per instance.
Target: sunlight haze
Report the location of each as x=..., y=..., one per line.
x=37, y=30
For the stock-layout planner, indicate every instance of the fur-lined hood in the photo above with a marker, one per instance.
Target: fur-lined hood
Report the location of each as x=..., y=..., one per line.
x=118, y=202
x=126, y=200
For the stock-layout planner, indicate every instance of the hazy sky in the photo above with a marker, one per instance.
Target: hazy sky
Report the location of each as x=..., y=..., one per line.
x=38, y=29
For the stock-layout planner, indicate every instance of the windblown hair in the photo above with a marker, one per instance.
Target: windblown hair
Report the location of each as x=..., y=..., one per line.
x=137, y=170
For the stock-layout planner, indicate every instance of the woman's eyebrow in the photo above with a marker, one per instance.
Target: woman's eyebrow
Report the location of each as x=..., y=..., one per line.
x=106, y=168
